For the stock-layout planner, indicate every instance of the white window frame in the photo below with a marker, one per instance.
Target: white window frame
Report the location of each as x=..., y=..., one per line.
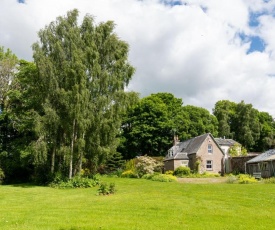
x=209, y=163
x=210, y=148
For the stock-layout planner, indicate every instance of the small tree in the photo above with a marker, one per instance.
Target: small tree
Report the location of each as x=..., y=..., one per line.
x=115, y=162
x=237, y=150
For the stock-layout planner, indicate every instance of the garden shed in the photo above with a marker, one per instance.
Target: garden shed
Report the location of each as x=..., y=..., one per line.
x=262, y=165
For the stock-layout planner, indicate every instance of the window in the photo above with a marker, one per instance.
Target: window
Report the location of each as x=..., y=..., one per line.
x=209, y=165
x=210, y=149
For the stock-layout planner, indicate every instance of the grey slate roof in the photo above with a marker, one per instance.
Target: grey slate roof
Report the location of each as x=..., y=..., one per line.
x=182, y=149
x=266, y=156
x=223, y=141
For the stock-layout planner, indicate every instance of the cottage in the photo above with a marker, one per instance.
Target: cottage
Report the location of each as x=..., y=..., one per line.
x=262, y=165
x=202, y=152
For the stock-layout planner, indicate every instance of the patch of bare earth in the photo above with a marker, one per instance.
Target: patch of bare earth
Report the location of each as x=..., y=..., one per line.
x=214, y=180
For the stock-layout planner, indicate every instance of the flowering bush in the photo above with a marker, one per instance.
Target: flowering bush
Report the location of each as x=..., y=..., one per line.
x=147, y=165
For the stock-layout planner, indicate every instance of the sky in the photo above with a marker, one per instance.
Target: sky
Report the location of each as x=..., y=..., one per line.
x=201, y=51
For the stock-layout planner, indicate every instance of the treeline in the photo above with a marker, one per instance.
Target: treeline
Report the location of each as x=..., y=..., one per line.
x=67, y=112
x=149, y=125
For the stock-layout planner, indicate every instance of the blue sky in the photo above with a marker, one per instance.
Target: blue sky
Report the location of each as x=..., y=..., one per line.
x=200, y=50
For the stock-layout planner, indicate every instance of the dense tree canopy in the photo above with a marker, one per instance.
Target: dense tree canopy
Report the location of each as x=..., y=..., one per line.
x=240, y=121
x=150, y=126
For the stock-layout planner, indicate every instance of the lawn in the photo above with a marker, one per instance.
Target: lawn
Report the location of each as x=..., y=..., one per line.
x=140, y=204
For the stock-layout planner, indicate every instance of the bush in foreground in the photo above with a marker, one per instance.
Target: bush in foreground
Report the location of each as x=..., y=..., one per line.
x=105, y=189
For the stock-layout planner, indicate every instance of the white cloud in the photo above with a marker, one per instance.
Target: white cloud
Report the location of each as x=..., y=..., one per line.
x=192, y=50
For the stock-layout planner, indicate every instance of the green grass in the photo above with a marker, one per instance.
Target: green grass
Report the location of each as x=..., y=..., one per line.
x=139, y=204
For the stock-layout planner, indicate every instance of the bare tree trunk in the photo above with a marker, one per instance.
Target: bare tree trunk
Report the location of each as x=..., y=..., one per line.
x=72, y=152
x=81, y=156
x=53, y=160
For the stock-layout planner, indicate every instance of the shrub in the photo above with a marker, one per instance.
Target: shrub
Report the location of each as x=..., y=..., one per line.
x=76, y=182
x=231, y=179
x=130, y=165
x=164, y=178
x=246, y=179
x=147, y=165
x=129, y=174
x=207, y=175
x=104, y=189
x=148, y=176
x=270, y=180
x=169, y=172
x=160, y=177
x=182, y=171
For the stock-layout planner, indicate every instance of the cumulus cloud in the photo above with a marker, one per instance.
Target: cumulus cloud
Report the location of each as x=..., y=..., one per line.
x=191, y=48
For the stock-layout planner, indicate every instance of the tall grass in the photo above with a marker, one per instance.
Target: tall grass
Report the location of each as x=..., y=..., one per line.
x=139, y=204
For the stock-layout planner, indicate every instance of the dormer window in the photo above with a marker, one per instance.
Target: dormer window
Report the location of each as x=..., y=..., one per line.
x=210, y=148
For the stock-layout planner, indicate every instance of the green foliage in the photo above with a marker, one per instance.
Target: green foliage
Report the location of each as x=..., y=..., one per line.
x=105, y=189
x=75, y=182
x=150, y=125
x=82, y=73
x=129, y=174
x=160, y=177
x=8, y=64
x=169, y=172
x=2, y=176
x=253, y=129
x=201, y=175
x=115, y=162
x=182, y=171
x=237, y=150
x=246, y=179
x=270, y=180
x=130, y=164
x=225, y=112
x=200, y=121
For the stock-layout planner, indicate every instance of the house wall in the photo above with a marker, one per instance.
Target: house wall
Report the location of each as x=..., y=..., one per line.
x=192, y=161
x=169, y=165
x=216, y=157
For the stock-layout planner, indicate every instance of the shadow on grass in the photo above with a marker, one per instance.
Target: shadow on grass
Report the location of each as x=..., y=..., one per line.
x=22, y=185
